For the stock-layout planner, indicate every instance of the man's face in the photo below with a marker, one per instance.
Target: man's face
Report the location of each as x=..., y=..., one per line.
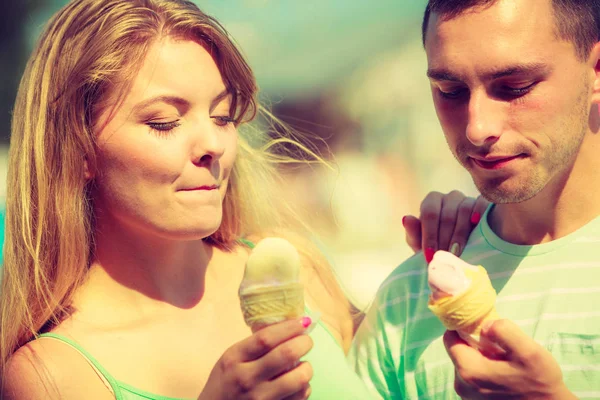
x=513, y=99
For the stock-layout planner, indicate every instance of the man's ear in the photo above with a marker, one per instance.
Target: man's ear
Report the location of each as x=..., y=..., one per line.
x=594, y=62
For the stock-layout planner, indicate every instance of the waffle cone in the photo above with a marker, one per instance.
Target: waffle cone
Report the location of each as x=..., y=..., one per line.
x=472, y=334
x=268, y=305
x=467, y=312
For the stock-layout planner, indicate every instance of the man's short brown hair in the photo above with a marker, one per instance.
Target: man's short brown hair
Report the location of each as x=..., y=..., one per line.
x=577, y=21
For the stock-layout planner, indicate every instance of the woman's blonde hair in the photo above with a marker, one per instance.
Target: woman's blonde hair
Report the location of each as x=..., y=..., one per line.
x=89, y=48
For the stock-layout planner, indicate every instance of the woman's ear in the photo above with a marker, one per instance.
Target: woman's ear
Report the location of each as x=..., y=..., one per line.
x=87, y=173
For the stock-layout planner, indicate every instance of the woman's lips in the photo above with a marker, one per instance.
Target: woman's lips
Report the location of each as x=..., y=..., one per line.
x=206, y=187
x=494, y=163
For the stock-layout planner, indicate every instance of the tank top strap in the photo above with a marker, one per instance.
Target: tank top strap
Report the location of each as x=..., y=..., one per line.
x=108, y=380
x=246, y=243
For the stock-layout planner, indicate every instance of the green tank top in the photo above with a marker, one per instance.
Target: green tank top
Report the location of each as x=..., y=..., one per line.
x=333, y=378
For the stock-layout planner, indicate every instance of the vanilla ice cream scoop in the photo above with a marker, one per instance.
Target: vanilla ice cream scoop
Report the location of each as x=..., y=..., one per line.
x=273, y=260
x=271, y=291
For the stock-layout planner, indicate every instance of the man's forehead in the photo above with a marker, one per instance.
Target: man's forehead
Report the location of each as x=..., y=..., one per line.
x=501, y=37
x=500, y=20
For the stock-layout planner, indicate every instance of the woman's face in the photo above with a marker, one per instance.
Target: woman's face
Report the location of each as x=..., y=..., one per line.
x=166, y=153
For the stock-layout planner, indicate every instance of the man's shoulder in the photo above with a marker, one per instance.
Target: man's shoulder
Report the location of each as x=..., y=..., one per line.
x=410, y=277
x=412, y=273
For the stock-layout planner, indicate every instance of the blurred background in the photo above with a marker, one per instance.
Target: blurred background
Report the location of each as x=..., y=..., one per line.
x=350, y=72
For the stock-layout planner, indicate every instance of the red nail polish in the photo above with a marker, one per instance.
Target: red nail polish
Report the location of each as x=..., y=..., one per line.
x=429, y=254
x=306, y=321
x=475, y=218
x=404, y=220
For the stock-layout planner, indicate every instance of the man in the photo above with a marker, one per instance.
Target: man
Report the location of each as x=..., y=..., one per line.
x=516, y=86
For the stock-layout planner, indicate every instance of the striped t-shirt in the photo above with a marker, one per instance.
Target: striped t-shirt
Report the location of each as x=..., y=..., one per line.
x=551, y=290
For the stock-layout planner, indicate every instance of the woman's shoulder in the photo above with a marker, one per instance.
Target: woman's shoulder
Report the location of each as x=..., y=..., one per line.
x=51, y=369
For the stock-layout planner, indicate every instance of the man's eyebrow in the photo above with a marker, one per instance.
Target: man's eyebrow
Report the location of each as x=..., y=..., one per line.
x=518, y=69
x=442, y=75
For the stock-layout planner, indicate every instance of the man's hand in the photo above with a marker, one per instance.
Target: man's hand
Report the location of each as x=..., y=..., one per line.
x=526, y=371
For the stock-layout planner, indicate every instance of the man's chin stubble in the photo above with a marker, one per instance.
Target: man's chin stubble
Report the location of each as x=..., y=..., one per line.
x=496, y=192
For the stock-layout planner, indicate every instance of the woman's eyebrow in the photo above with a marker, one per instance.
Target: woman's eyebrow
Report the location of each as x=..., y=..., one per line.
x=215, y=102
x=175, y=101
x=178, y=102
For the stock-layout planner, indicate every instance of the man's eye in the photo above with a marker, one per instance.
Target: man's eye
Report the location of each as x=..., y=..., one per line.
x=223, y=120
x=452, y=94
x=163, y=126
x=518, y=91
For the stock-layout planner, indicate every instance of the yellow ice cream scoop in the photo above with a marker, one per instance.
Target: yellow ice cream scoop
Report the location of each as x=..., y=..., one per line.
x=272, y=259
x=467, y=299
x=271, y=291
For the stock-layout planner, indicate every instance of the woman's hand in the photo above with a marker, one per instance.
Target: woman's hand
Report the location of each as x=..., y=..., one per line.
x=445, y=223
x=264, y=366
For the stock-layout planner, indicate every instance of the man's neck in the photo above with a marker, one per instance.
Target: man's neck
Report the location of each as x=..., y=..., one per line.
x=567, y=203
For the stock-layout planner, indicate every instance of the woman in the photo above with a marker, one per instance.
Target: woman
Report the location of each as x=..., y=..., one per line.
x=131, y=198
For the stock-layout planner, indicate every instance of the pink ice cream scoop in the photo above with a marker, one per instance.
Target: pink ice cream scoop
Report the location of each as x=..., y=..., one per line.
x=462, y=297
x=446, y=275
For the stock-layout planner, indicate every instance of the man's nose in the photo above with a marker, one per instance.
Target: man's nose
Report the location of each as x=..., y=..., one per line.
x=485, y=122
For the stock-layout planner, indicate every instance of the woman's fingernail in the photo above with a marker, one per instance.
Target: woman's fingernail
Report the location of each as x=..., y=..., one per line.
x=475, y=218
x=455, y=249
x=403, y=220
x=429, y=254
x=306, y=321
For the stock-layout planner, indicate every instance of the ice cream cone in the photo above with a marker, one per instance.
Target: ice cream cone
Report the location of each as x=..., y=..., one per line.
x=268, y=305
x=465, y=311
x=271, y=291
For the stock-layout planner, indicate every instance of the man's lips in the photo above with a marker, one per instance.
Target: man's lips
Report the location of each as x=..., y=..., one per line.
x=495, y=162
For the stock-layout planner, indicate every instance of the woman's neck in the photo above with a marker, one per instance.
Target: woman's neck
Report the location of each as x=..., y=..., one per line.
x=153, y=268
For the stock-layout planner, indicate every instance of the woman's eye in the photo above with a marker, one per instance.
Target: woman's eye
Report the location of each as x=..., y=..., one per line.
x=163, y=126
x=223, y=120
